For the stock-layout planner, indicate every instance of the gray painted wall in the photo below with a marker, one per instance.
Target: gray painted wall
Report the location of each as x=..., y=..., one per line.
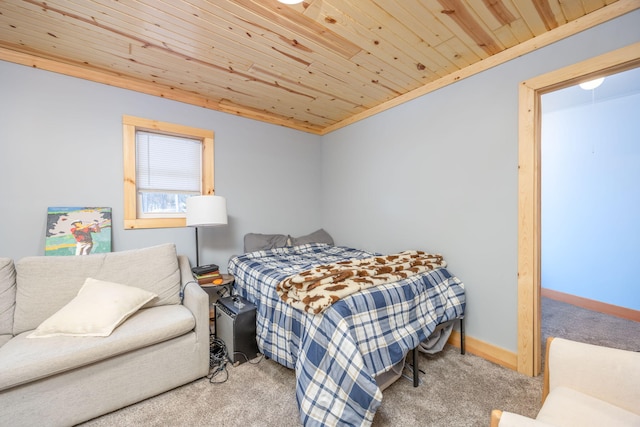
x=440, y=173
x=61, y=145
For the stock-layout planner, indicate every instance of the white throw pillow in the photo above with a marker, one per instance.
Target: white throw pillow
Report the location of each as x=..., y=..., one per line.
x=96, y=311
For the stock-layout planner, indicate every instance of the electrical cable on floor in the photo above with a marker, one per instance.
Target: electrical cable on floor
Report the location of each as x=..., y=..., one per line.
x=218, y=359
x=253, y=362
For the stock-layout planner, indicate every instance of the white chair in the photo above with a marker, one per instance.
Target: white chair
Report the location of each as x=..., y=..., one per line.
x=584, y=385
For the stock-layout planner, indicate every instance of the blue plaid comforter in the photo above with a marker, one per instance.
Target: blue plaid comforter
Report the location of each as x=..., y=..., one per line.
x=338, y=354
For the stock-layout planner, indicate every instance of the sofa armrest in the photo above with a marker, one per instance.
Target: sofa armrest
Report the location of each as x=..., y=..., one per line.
x=609, y=374
x=509, y=419
x=197, y=301
x=186, y=275
x=193, y=296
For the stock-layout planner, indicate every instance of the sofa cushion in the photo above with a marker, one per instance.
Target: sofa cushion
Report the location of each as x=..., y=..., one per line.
x=7, y=295
x=566, y=407
x=96, y=311
x=46, y=283
x=25, y=360
x=5, y=339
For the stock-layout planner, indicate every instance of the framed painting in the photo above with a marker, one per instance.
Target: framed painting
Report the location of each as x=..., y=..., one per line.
x=78, y=231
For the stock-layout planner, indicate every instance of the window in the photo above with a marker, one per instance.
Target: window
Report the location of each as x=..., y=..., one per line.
x=164, y=164
x=165, y=173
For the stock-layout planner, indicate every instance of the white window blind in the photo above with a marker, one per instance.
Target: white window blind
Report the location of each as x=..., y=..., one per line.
x=167, y=164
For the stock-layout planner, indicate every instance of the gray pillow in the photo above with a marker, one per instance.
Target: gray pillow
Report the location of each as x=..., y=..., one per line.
x=319, y=236
x=259, y=242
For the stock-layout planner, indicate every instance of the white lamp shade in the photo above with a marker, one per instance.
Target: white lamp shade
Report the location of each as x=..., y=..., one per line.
x=206, y=211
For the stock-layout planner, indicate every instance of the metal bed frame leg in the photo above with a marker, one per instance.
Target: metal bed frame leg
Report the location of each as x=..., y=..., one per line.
x=416, y=380
x=416, y=369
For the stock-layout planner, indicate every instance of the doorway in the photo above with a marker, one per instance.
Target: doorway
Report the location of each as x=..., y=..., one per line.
x=529, y=190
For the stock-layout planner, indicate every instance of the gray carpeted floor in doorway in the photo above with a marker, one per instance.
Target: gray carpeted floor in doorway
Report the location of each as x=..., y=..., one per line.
x=568, y=321
x=456, y=390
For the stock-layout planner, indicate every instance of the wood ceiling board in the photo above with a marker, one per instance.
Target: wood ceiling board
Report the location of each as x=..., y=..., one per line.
x=550, y=13
x=347, y=99
x=531, y=16
x=285, y=84
x=166, y=31
x=493, y=13
x=444, y=64
x=458, y=52
x=521, y=30
x=280, y=15
x=44, y=24
x=572, y=10
x=331, y=65
x=394, y=83
x=165, y=36
x=387, y=33
x=316, y=66
x=64, y=45
x=390, y=58
x=592, y=5
x=502, y=19
x=159, y=23
x=109, y=42
x=469, y=27
x=430, y=23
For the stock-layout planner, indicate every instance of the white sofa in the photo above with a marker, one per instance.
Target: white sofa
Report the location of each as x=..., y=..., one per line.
x=65, y=380
x=584, y=385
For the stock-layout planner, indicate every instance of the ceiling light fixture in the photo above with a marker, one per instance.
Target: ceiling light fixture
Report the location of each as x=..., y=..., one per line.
x=591, y=84
x=290, y=1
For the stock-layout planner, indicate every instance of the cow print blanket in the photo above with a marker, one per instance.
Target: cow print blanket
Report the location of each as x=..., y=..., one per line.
x=316, y=289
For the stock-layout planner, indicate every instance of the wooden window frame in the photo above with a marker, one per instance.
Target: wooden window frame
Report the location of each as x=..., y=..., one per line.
x=132, y=124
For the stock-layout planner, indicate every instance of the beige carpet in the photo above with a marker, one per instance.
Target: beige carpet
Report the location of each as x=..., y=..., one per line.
x=456, y=390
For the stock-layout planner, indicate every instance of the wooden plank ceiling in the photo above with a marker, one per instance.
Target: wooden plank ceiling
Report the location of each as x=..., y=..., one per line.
x=314, y=66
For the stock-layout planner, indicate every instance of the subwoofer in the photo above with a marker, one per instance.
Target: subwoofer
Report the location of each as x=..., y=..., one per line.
x=236, y=326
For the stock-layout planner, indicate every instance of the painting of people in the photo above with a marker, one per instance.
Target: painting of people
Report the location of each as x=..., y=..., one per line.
x=78, y=231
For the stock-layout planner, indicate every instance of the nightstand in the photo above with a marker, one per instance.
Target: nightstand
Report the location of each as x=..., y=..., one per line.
x=221, y=290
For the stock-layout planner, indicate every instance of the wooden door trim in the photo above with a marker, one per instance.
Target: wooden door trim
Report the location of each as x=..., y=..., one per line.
x=529, y=121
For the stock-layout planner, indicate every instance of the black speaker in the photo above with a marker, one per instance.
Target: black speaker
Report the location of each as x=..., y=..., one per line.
x=236, y=326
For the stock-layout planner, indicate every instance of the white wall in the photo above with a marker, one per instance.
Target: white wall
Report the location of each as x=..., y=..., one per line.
x=61, y=145
x=591, y=201
x=440, y=173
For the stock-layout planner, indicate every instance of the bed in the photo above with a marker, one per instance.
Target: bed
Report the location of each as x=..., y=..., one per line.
x=338, y=354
